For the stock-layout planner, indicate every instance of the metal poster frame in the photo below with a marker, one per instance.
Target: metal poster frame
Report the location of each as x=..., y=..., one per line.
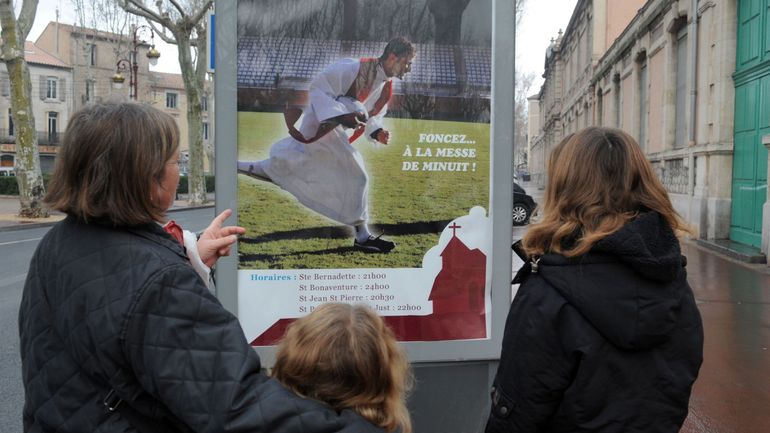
x=501, y=177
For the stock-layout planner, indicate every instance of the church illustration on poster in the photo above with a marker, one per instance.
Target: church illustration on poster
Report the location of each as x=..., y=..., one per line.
x=457, y=295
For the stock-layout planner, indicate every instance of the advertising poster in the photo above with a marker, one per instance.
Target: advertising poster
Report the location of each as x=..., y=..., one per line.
x=364, y=163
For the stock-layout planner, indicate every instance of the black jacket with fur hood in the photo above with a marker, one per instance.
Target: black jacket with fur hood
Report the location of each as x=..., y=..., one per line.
x=611, y=341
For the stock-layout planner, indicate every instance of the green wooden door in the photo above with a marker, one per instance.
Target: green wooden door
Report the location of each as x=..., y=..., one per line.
x=752, y=121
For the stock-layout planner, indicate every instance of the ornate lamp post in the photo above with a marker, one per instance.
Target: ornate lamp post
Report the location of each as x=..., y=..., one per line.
x=132, y=66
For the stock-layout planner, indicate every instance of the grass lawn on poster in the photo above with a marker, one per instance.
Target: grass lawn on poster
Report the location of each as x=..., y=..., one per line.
x=412, y=207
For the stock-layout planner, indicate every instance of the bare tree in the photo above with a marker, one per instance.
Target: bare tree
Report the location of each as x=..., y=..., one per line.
x=281, y=32
x=350, y=20
x=521, y=116
x=475, y=106
x=27, y=161
x=182, y=23
x=519, y=8
x=388, y=18
x=102, y=20
x=522, y=85
x=105, y=15
x=415, y=104
x=448, y=16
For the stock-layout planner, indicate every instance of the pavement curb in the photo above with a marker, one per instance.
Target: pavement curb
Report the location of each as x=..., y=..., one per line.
x=25, y=226
x=36, y=225
x=180, y=208
x=734, y=250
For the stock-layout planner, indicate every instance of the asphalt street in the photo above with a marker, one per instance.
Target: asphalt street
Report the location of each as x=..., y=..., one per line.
x=16, y=249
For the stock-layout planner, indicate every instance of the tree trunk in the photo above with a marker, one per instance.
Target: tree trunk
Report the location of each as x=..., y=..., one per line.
x=349, y=20
x=27, y=161
x=192, y=75
x=447, y=17
x=193, y=87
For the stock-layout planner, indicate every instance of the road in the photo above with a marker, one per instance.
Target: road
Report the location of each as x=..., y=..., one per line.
x=16, y=249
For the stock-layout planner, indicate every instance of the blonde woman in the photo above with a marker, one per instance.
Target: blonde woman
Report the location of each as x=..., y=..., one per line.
x=346, y=357
x=603, y=334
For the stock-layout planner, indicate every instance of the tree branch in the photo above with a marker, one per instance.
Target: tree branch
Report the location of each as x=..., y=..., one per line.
x=177, y=7
x=419, y=24
x=26, y=17
x=162, y=34
x=141, y=10
x=199, y=16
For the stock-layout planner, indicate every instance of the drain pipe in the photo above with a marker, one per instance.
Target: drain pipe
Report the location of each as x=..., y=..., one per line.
x=693, y=69
x=693, y=91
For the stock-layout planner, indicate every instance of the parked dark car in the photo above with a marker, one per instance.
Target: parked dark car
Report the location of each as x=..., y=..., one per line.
x=523, y=205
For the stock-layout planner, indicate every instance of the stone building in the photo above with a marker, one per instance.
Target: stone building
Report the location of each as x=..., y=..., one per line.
x=665, y=71
x=167, y=93
x=533, y=126
x=51, y=104
x=94, y=56
x=566, y=99
x=72, y=66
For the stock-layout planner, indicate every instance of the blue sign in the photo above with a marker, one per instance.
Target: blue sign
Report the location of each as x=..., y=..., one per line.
x=211, y=35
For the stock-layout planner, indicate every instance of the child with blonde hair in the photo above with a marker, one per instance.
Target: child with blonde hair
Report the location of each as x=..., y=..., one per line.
x=347, y=357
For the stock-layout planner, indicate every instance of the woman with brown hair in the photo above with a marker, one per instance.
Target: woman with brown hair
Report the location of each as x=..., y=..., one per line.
x=118, y=332
x=347, y=357
x=603, y=334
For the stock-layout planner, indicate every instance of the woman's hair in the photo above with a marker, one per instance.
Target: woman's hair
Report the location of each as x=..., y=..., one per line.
x=112, y=156
x=346, y=356
x=598, y=180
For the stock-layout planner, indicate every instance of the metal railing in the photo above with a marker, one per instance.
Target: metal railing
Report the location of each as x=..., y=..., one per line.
x=673, y=173
x=43, y=137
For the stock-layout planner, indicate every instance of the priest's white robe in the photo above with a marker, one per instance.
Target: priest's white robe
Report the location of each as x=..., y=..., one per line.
x=328, y=175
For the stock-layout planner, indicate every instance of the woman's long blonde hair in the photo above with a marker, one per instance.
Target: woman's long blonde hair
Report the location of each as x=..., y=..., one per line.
x=346, y=356
x=598, y=180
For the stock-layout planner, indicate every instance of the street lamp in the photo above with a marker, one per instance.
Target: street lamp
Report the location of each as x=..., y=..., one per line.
x=132, y=66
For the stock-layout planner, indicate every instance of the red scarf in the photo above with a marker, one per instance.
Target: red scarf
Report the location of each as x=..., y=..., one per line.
x=175, y=231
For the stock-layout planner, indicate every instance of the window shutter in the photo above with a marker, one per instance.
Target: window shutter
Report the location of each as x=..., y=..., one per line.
x=62, y=89
x=43, y=87
x=5, y=84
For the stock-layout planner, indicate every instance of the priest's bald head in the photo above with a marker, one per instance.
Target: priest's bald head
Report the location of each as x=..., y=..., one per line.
x=397, y=57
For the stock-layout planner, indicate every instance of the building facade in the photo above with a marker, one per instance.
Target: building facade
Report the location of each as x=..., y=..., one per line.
x=51, y=104
x=167, y=93
x=72, y=66
x=566, y=99
x=94, y=56
x=662, y=71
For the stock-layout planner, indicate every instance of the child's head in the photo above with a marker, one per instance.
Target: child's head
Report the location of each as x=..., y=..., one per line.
x=346, y=356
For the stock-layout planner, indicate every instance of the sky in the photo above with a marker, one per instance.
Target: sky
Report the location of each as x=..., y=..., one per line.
x=46, y=12
x=541, y=22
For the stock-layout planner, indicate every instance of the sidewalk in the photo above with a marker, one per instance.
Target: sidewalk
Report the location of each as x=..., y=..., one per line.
x=10, y=219
x=732, y=393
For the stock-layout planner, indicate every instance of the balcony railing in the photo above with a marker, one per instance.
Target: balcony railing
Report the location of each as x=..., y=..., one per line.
x=43, y=137
x=674, y=175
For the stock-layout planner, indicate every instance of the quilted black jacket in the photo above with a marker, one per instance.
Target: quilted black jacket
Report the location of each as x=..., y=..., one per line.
x=122, y=309
x=608, y=342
